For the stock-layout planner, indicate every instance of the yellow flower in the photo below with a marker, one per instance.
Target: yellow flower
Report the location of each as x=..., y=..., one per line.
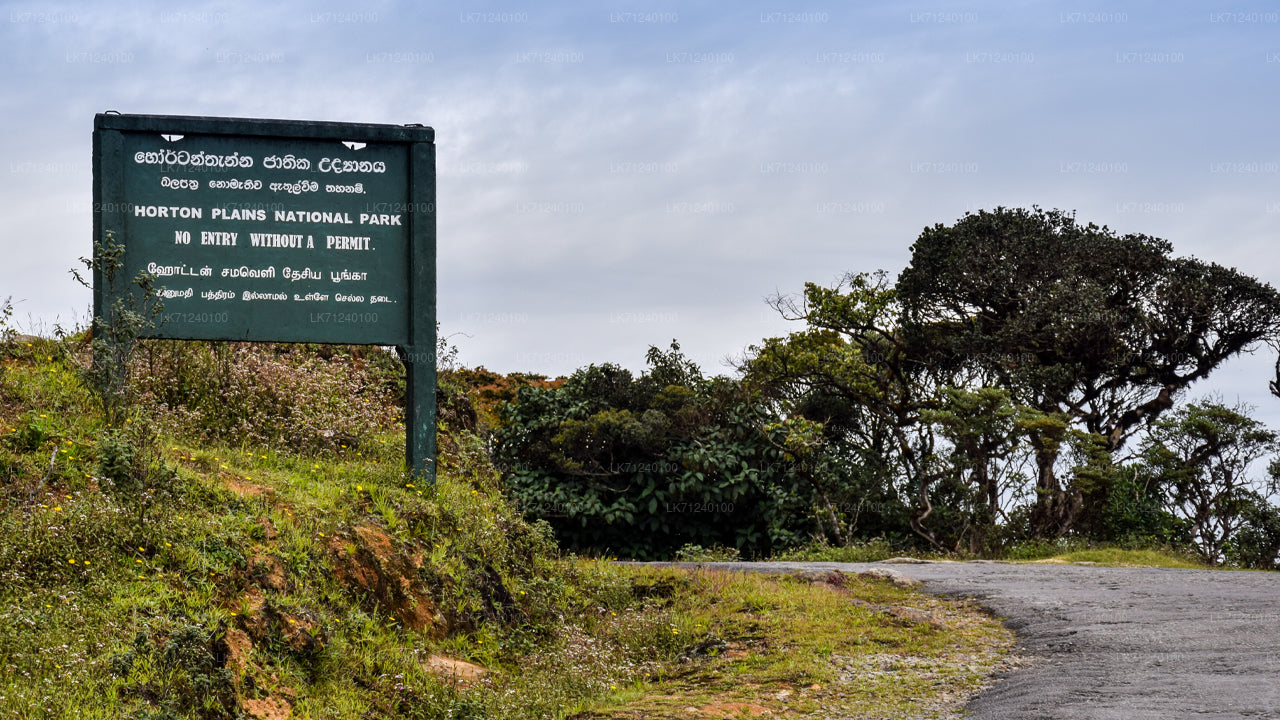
x=71, y=560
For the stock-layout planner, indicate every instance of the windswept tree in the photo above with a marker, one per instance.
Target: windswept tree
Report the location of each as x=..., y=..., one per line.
x=849, y=371
x=1077, y=321
x=1202, y=455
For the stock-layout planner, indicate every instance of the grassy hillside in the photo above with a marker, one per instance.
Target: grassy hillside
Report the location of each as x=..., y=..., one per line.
x=243, y=548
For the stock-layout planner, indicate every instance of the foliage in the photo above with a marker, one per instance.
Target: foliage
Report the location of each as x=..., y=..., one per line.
x=1131, y=508
x=697, y=553
x=983, y=398
x=7, y=331
x=1256, y=543
x=301, y=565
x=176, y=668
x=642, y=466
x=1200, y=455
x=849, y=373
x=982, y=429
x=304, y=399
x=129, y=312
x=133, y=469
x=323, y=586
x=1074, y=319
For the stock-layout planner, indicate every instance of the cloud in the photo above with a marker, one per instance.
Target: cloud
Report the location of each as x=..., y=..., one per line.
x=616, y=176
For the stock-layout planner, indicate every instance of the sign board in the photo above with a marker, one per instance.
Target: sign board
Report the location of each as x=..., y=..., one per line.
x=280, y=231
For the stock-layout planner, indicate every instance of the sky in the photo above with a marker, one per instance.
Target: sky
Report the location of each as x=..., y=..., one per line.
x=616, y=175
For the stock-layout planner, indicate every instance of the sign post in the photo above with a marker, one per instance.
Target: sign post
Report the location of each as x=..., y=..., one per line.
x=280, y=231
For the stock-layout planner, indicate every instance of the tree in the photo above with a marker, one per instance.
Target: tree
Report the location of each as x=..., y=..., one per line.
x=1075, y=320
x=850, y=372
x=982, y=427
x=1201, y=454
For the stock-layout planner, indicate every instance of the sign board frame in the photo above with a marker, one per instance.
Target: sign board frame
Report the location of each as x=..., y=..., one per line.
x=158, y=179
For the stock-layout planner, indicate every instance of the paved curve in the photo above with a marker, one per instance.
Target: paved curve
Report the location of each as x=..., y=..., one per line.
x=1117, y=643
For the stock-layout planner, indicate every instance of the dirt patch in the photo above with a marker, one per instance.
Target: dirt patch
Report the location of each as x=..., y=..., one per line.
x=268, y=708
x=385, y=578
x=244, y=487
x=239, y=646
x=269, y=573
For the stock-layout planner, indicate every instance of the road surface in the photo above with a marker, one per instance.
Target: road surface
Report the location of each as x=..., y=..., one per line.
x=1116, y=643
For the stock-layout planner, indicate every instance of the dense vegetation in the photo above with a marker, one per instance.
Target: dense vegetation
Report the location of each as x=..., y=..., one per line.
x=1018, y=383
x=235, y=548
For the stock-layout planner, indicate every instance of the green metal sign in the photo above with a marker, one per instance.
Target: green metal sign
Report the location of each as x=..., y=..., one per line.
x=280, y=231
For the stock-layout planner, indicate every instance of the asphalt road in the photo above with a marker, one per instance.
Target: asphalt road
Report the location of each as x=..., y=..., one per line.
x=1122, y=643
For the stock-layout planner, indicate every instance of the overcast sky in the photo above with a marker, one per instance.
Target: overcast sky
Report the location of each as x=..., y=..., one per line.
x=616, y=175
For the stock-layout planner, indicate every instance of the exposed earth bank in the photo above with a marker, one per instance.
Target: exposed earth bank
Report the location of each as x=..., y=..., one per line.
x=1114, y=643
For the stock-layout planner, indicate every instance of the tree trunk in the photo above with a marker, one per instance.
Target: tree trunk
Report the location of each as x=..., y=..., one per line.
x=1056, y=508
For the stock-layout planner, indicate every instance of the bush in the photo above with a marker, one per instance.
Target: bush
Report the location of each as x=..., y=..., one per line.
x=640, y=467
x=295, y=398
x=1256, y=543
x=1130, y=512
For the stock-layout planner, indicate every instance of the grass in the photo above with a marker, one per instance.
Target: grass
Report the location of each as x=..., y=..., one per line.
x=1121, y=557
x=1064, y=551
x=827, y=646
x=322, y=583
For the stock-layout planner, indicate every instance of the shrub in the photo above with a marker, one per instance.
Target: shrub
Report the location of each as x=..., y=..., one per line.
x=642, y=466
x=294, y=398
x=1256, y=543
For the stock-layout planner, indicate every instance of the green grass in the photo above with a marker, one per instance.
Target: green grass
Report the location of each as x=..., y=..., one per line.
x=324, y=581
x=834, y=646
x=1065, y=551
x=1120, y=557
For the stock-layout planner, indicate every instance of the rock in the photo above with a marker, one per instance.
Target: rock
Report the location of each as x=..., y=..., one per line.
x=915, y=616
x=828, y=577
x=892, y=576
x=459, y=672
